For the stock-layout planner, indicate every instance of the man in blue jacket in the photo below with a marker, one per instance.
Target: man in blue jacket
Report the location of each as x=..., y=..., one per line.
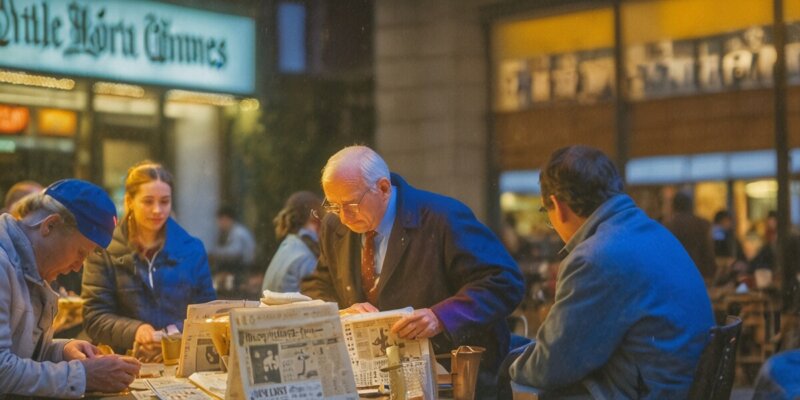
x=386, y=245
x=631, y=314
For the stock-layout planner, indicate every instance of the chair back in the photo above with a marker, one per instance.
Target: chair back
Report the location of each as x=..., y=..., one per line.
x=713, y=378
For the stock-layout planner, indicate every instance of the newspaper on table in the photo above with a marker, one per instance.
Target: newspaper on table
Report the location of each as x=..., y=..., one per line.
x=211, y=382
x=197, y=348
x=292, y=351
x=168, y=388
x=368, y=336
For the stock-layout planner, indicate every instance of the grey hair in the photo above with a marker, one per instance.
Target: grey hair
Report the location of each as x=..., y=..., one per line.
x=371, y=165
x=41, y=205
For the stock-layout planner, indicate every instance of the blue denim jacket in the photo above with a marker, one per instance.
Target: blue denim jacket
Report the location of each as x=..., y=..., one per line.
x=117, y=291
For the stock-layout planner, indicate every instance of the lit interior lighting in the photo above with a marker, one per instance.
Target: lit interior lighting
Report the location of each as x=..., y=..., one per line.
x=184, y=96
x=762, y=189
x=21, y=78
x=249, y=105
x=119, y=89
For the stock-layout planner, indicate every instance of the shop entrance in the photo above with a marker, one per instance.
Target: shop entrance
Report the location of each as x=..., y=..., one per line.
x=116, y=148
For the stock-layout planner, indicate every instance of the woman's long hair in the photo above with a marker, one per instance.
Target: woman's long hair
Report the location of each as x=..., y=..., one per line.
x=295, y=213
x=145, y=171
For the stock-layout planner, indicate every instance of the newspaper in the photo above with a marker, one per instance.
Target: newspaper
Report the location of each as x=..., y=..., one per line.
x=368, y=336
x=197, y=348
x=166, y=388
x=213, y=383
x=292, y=351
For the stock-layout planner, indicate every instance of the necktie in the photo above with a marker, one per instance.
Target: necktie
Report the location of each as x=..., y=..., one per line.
x=368, y=267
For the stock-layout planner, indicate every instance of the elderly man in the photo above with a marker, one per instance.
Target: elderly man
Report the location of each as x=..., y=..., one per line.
x=55, y=232
x=387, y=245
x=631, y=314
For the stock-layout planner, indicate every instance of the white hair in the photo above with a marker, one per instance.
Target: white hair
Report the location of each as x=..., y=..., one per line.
x=369, y=163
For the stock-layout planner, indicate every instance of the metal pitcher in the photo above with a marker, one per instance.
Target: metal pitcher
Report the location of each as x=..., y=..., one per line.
x=464, y=364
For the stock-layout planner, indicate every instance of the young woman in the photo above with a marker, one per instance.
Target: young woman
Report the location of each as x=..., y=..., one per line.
x=151, y=271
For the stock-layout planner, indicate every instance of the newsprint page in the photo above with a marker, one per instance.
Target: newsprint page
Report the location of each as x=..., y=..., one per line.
x=293, y=351
x=368, y=336
x=197, y=349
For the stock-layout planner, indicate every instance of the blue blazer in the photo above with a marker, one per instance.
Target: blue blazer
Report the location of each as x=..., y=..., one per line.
x=440, y=257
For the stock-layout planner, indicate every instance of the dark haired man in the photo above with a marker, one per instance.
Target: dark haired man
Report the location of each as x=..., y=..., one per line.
x=631, y=314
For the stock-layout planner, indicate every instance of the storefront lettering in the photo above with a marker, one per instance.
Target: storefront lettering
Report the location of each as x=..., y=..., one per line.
x=95, y=37
x=32, y=25
x=162, y=46
x=91, y=32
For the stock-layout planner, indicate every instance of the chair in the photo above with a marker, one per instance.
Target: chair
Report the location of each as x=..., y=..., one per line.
x=713, y=378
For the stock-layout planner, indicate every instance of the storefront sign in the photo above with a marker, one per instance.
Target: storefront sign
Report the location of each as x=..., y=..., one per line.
x=736, y=60
x=13, y=120
x=130, y=41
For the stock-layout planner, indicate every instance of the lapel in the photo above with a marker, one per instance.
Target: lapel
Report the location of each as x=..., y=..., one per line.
x=398, y=243
x=351, y=256
x=406, y=218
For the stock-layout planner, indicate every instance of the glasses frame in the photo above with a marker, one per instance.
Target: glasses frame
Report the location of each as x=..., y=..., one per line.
x=350, y=208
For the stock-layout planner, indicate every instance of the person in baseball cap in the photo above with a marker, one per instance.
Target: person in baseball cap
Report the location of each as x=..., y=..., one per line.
x=93, y=210
x=50, y=233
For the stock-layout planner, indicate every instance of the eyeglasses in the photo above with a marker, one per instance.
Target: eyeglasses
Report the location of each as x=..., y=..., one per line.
x=547, y=222
x=351, y=208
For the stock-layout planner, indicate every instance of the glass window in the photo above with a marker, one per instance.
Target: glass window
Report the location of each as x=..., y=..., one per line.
x=292, y=37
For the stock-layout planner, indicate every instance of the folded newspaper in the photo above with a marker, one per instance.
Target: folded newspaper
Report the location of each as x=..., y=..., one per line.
x=368, y=336
x=292, y=351
x=271, y=298
x=198, y=352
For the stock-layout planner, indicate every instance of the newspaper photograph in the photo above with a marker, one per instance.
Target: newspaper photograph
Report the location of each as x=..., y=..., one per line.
x=198, y=352
x=293, y=351
x=369, y=335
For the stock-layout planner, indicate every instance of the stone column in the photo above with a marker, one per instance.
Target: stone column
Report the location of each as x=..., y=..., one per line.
x=431, y=95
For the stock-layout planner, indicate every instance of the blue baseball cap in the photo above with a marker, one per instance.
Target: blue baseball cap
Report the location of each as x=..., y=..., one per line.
x=94, y=211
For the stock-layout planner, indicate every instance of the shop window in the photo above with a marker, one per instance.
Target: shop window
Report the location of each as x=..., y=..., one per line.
x=292, y=37
x=698, y=46
x=563, y=58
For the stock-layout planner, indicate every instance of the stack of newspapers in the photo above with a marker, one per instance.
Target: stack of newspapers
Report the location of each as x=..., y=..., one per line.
x=296, y=350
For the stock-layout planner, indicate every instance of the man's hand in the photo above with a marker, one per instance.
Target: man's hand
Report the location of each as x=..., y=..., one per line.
x=110, y=373
x=79, y=350
x=421, y=324
x=359, y=308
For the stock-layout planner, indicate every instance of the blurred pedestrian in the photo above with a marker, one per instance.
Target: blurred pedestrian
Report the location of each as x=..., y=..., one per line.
x=299, y=250
x=152, y=270
x=19, y=190
x=50, y=234
x=725, y=242
x=765, y=257
x=694, y=233
x=234, y=253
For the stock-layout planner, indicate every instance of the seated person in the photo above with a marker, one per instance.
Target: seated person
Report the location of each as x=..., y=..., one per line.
x=297, y=254
x=234, y=253
x=50, y=234
x=631, y=314
x=151, y=271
